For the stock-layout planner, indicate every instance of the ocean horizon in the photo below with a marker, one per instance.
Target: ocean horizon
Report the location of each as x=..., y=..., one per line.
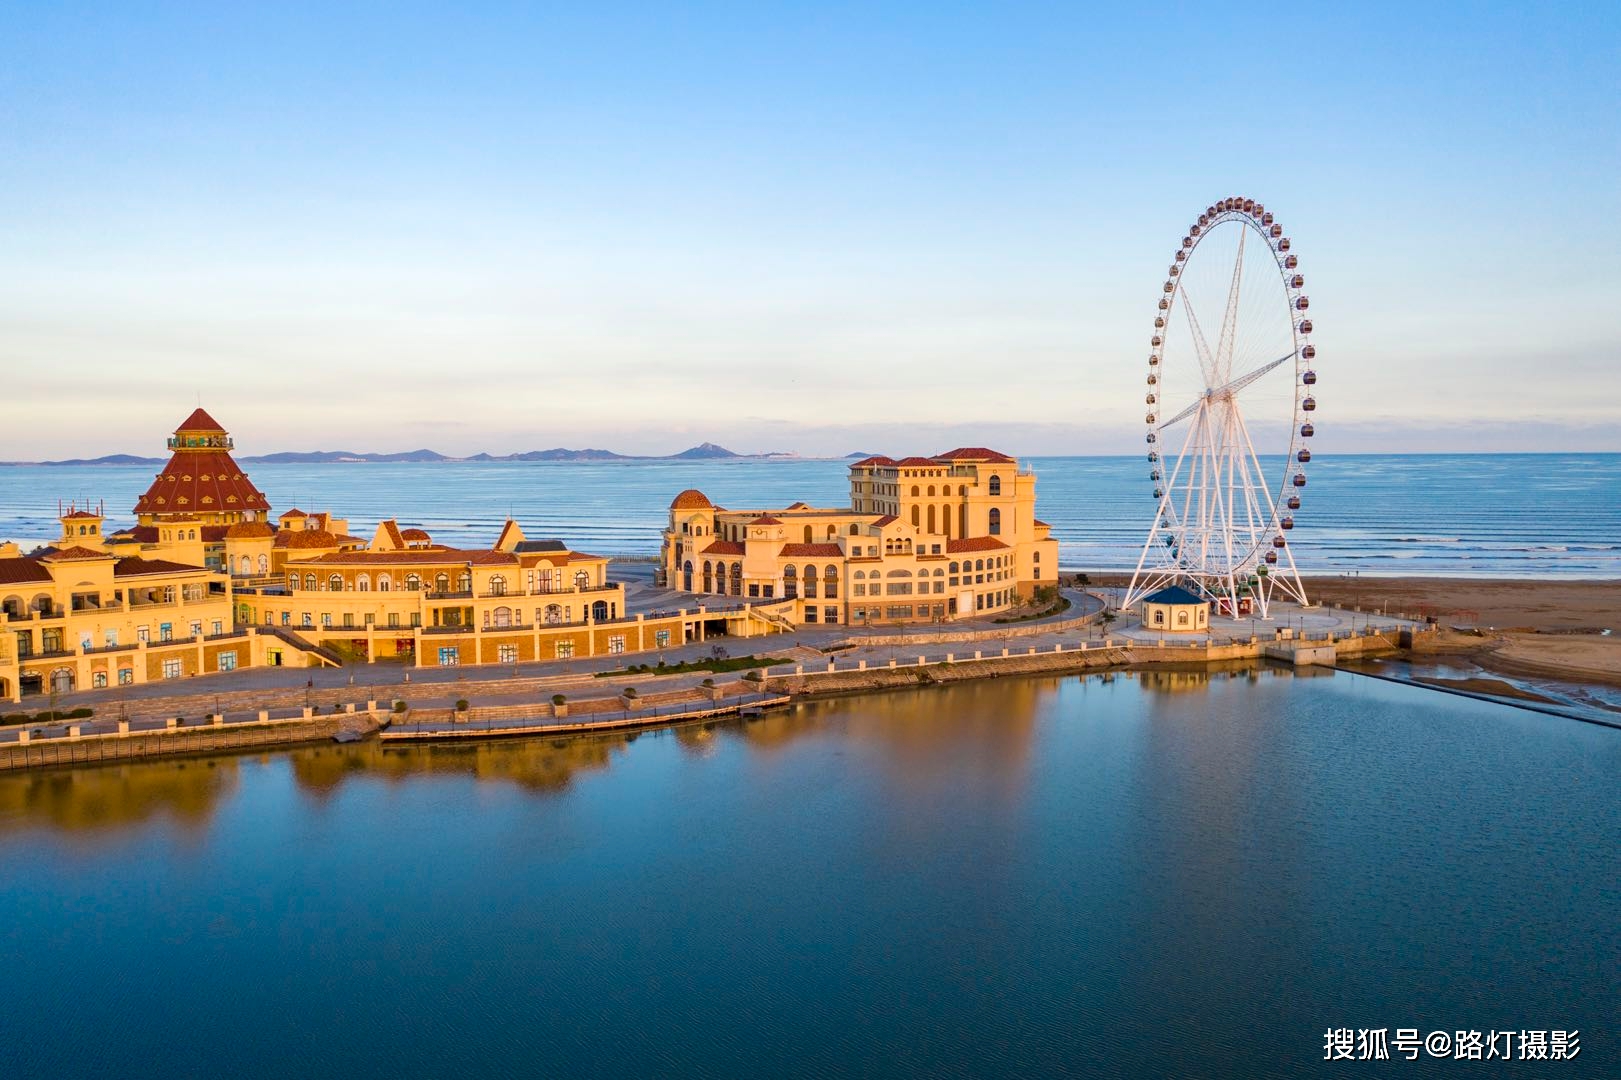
x=1509, y=515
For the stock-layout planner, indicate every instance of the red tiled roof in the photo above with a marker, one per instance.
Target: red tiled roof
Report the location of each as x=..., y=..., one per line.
x=887, y=519
x=811, y=551
x=395, y=537
x=305, y=538
x=81, y=514
x=440, y=557
x=916, y=462
x=580, y=556
x=1043, y=524
x=506, y=530
x=19, y=571
x=799, y=506
x=869, y=462
x=136, y=567
x=723, y=547
x=141, y=534
x=414, y=534
x=765, y=519
x=974, y=543
x=75, y=553
x=691, y=499
x=201, y=481
x=250, y=530
x=975, y=453
x=200, y=422
x=213, y=534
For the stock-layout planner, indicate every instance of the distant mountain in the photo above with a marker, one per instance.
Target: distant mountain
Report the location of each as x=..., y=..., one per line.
x=705, y=451
x=858, y=455
x=322, y=457
x=702, y=452
x=110, y=459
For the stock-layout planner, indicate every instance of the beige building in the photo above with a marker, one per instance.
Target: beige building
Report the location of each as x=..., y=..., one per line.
x=923, y=540
x=1175, y=610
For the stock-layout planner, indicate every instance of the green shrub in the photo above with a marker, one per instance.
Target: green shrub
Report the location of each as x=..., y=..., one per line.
x=399, y=706
x=629, y=691
x=461, y=704
x=709, y=683
x=559, y=699
x=754, y=676
x=81, y=713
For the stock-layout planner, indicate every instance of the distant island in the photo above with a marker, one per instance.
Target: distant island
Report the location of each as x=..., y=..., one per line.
x=702, y=452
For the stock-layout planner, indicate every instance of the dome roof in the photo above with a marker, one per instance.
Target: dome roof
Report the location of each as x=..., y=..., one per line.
x=691, y=499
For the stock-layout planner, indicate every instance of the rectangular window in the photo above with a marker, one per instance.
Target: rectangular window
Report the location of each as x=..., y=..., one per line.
x=348, y=619
x=859, y=615
x=754, y=588
x=171, y=669
x=565, y=649
x=326, y=618
x=859, y=589
x=507, y=654
x=934, y=549
x=227, y=661
x=661, y=638
x=287, y=618
x=768, y=591
x=449, y=656
x=393, y=619
x=111, y=637
x=165, y=631
x=810, y=614
x=903, y=611
x=126, y=676
x=416, y=618
x=196, y=628
x=308, y=620
x=616, y=643
x=830, y=614
x=219, y=627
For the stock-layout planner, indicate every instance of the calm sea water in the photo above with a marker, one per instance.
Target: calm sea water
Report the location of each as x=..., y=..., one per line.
x=1166, y=875
x=1486, y=515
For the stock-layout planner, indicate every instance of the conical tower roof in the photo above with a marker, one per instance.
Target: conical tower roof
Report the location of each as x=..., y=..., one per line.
x=201, y=477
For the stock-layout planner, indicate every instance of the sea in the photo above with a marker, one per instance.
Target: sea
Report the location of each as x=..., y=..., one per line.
x=1475, y=515
x=1234, y=874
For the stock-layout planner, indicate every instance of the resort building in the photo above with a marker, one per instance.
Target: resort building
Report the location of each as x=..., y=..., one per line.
x=206, y=582
x=923, y=540
x=74, y=616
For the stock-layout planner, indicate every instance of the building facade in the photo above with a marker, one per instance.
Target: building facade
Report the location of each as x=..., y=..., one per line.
x=923, y=540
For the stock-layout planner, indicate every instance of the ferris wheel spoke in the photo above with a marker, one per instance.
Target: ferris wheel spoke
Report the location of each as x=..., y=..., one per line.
x=1229, y=319
x=1207, y=363
x=1242, y=381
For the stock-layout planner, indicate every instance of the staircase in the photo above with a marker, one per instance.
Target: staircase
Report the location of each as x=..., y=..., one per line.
x=326, y=656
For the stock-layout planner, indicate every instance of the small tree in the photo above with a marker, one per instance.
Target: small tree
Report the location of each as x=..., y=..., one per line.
x=559, y=699
x=399, y=706
x=629, y=692
x=461, y=704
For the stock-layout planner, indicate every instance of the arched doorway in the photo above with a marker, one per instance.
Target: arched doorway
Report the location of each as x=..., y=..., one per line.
x=599, y=611
x=62, y=681
x=686, y=576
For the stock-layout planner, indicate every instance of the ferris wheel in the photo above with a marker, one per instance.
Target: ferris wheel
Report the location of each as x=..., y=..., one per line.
x=1228, y=479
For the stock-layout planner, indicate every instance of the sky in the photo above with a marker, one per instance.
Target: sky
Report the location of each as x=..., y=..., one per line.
x=813, y=228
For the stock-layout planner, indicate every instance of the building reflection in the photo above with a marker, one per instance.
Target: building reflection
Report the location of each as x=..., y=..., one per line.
x=106, y=798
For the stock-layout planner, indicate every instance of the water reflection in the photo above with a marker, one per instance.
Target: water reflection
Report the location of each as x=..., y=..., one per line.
x=980, y=735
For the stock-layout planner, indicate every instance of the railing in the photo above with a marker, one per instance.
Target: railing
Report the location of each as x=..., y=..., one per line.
x=467, y=595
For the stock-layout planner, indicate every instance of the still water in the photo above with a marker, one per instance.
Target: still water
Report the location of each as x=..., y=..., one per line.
x=1167, y=874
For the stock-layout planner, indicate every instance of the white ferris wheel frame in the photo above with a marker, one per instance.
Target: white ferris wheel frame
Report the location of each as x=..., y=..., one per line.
x=1217, y=517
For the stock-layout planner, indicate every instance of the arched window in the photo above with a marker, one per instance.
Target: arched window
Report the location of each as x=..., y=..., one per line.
x=931, y=513
x=709, y=577
x=1159, y=617
x=861, y=575
x=737, y=579
x=790, y=581
x=413, y=583
x=292, y=581
x=384, y=583
x=1181, y=618
x=441, y=583
x=953, y=568
x=464, y=582
x=914, y=491
x=554, y=614
x=334, y=583
x=916, y=522
x=855, y=530
x=996, y=521
x=363, y=583
x=264, y=564
x=599, y=611
x=807, y=534
x=498, y=585
x=810, y=582
x=996, y=485
x=246, y=564
x=831, y=531
x=830, y=583
x=503, y=616
x=979, y=564
x=582, y=580
x=309, y=582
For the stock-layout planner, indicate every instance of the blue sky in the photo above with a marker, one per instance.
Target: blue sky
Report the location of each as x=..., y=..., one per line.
x=803, y=227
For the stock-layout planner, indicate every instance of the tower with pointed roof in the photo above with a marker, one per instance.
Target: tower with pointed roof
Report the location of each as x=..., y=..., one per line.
x=202, y=481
